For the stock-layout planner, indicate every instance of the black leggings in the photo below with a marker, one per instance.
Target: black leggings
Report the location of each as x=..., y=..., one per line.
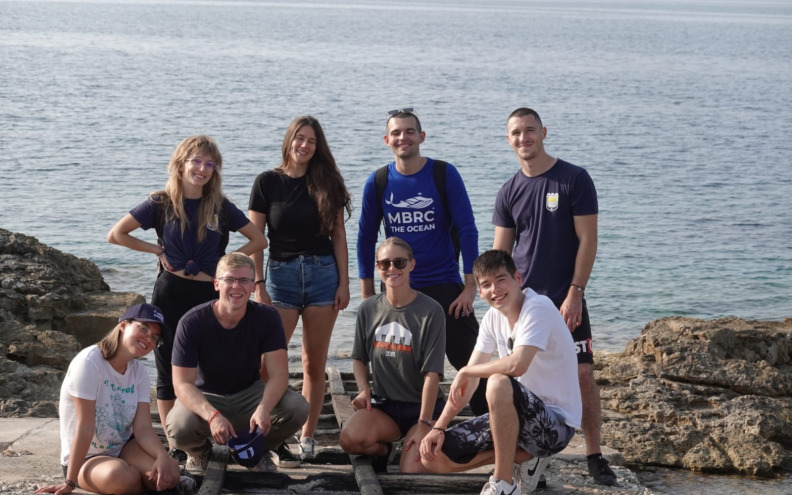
x=175, y=296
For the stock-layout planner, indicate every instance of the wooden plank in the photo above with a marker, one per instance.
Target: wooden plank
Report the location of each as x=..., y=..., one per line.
x=458, y=484
x=335, y=382
x=215, y=472
x=342, y=404
x=367, y=481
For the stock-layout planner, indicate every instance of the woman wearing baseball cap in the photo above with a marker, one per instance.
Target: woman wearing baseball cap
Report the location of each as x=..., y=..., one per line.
x=104, y=399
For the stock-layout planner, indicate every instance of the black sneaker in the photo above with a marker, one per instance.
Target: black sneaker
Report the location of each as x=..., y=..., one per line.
x=283, y=457
x=600, y=471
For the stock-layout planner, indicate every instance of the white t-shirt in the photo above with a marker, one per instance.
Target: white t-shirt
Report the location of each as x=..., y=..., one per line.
x=90, y=376
x=552, y=375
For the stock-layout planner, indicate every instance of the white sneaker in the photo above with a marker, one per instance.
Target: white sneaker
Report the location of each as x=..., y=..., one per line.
x=308, y=448
x=265, y=465
x=196, y=463
x=527, y=474
x=499, y=487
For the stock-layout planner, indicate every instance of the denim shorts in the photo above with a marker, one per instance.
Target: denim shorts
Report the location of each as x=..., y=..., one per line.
x=302, y=282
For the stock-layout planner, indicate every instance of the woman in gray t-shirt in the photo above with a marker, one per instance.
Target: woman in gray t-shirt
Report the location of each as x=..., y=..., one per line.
x=400, y=345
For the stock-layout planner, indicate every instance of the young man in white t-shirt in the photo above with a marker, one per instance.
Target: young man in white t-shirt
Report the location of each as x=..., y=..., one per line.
x=532, y=389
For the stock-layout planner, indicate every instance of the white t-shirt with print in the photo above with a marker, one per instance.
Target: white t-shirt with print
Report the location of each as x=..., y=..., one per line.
x=90, y=376
x=553, y=374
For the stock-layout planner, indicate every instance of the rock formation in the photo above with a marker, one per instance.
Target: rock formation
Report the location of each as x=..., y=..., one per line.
x=711, y=396
x=51, y=305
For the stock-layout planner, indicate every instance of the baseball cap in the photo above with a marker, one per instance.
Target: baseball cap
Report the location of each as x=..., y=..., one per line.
x=247, y=448
x=145, y=312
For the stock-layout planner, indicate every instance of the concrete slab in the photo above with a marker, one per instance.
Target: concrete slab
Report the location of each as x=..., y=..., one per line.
x=30, y=449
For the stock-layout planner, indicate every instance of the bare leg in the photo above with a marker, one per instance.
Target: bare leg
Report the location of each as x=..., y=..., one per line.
x=163, y=408
x=592, y=413
x=504, y=423
x=368, y=433
x=104, y=474
x=318, y=322
x=289, y=318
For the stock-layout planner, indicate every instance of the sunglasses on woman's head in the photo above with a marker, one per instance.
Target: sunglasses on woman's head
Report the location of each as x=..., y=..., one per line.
x=398, y=263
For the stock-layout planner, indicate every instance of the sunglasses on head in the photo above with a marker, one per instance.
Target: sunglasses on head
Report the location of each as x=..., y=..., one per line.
x=398, y=263
x=391, y=113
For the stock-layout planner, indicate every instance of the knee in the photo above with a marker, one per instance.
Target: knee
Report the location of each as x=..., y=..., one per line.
x=123, y=478
x=499, y=389
x=349, y=441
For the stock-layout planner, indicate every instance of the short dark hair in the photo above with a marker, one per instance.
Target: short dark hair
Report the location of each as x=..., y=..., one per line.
x=490, y=263
x=523, y=111
x=404, y=115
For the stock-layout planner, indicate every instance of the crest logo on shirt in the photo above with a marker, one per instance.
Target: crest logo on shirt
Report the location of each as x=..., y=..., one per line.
x=551, y=201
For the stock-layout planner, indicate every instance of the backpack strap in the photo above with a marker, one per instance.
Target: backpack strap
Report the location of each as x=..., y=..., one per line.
x=440, y=183
x=380, y=181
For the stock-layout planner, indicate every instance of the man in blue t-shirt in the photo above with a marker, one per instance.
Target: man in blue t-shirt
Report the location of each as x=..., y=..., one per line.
x=412, y=208
x=547, y=213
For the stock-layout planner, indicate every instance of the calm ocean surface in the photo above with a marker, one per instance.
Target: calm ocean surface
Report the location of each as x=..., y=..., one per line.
x=678, y=110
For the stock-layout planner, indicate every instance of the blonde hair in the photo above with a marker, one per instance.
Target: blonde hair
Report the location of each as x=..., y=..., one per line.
x=112, y=341
x=172, y=198
x=234, y=260
x=396, y=242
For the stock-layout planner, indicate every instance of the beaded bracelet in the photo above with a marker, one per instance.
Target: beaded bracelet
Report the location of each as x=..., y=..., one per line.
x=427, y=423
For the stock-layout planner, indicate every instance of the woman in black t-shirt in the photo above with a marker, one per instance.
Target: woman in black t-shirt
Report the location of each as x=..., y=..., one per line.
x=300, y=206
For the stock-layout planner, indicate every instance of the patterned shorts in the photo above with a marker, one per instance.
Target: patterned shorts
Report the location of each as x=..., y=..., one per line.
x=543, y=432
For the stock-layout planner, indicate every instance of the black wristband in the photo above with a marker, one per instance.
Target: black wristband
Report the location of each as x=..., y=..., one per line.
x=439, y=429
x=71, y=484
x=260, y=281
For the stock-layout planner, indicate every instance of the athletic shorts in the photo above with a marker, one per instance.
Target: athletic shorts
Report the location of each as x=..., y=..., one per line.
x=582, y=337
x=543, y=432
x=406, y=414
x=304, y=281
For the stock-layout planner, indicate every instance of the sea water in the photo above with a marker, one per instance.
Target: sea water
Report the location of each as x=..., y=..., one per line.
x=678, y=110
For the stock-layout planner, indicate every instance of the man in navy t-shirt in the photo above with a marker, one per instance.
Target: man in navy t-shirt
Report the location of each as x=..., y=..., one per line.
x=411, y=207
x=217, y=355
x=546, y=216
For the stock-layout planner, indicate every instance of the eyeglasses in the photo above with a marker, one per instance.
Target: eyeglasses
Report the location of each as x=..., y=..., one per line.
x=391, y=113
x=146, y=331
x=197, y=163
x=243, y=281
x=398, y=263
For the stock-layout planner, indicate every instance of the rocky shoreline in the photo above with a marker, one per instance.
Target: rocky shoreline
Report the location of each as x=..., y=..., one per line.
x=708, y=396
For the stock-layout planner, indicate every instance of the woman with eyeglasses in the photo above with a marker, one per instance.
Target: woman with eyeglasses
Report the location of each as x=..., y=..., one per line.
x=193, y=220
x=301, y=205
x=399, y=344
x=104, y=399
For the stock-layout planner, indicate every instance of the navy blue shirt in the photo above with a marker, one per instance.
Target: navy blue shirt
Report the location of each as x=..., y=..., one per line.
x=184, y=251
x=228, y=360
x=541, y=210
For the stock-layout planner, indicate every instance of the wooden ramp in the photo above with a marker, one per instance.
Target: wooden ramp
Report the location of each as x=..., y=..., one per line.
x=332, y=472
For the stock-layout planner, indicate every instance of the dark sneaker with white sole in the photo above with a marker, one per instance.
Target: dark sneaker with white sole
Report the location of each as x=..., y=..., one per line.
x=283, y=457
x=601, y=472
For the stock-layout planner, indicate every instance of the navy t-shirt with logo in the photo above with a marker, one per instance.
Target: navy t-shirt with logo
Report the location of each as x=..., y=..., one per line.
x=541, y=210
